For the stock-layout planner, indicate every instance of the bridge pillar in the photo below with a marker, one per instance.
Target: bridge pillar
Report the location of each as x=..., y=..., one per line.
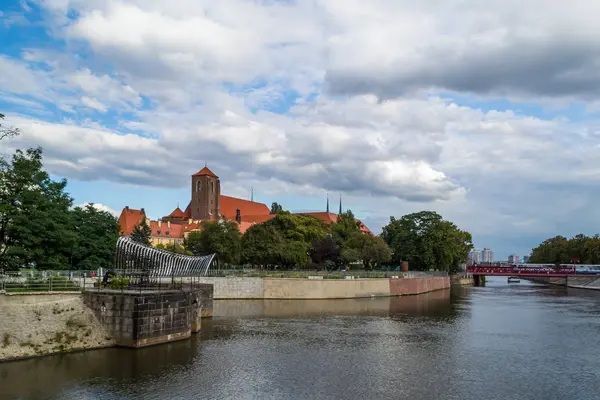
x=478, y=280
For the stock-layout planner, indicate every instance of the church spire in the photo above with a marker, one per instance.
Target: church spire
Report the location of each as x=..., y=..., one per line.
x=328, y=202
x=252, y=194
x=340, y=203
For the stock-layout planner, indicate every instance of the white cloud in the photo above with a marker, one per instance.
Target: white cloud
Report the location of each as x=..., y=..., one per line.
x=491, y=171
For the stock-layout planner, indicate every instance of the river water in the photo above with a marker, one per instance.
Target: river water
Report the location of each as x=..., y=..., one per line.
x=519, y=341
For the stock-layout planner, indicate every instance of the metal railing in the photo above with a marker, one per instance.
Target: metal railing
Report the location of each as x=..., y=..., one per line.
x=46, y=281
x=338, y=274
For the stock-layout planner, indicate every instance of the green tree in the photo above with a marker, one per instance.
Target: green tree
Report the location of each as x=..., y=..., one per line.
x=262, y=245
x=345, y=227
x=276, y=208
x=141, y=233
x=325, y=249
x=34, y=215
x=371, y=250
x=223, y=238
x=426, y=241
x=7, y=132
x=96, y=234
x=304, y=228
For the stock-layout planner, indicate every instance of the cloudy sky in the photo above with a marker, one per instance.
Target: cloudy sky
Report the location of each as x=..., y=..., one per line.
x=486, y=112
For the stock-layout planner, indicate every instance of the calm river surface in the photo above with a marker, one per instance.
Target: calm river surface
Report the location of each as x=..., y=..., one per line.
x=519, y=341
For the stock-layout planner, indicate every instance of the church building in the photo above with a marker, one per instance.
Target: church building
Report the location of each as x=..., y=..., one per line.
x=207, y=204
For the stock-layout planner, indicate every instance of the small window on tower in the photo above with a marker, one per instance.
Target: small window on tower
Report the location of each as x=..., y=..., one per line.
x=198, y=186
x=212, y=187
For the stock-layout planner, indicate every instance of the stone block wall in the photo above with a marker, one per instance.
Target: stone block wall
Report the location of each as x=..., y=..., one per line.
x=138, y=319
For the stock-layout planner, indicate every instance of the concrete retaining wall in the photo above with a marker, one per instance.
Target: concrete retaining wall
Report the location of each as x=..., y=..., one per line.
x=236, y=288
x=400, y=287
x=296, y=288
x=293, y=288
x=39, y=324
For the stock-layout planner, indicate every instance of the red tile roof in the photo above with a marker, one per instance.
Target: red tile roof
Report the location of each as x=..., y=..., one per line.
x=129, y=219
x=257, y=219
x=229, y=205
x=205, y=172
x=177, y=213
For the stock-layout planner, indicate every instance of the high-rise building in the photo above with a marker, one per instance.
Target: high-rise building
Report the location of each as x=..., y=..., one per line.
x=513, y=259
x=475, y=256
x=487, y=255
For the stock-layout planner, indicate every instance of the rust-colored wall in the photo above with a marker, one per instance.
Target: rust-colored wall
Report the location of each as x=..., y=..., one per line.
x=399, y=287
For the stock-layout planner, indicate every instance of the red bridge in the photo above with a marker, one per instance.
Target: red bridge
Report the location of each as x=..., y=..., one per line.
x=518, y=270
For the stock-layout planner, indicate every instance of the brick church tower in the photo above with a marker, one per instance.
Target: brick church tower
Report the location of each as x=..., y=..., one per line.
x=206, y=192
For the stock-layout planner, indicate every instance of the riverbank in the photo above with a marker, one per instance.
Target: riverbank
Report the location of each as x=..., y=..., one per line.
x=228, y=288
x=579, y=282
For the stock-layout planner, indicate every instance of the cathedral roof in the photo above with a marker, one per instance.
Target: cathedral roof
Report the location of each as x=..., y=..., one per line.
x=177, y=213
x=205, y=172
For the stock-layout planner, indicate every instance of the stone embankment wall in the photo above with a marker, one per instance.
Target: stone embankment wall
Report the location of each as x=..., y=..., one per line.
x=138, y=319
x=296, y=288
x=462, y=280
x=34, y=325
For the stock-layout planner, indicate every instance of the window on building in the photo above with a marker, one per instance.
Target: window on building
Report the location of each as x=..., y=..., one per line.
x=198, y=186
x=168, y=233
x=212, y=187
x=158, y=232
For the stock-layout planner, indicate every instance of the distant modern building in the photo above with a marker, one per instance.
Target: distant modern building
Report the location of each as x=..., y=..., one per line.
x=525, y=259
x=513, y=259
x=475, y=256
x=487, y=255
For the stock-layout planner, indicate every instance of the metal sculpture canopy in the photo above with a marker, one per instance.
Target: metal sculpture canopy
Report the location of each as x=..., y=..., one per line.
x=133, y=256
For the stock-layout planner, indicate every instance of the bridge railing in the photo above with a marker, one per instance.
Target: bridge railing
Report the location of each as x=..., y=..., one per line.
x=517, y=270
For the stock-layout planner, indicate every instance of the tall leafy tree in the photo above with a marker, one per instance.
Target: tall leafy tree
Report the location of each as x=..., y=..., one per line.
x=371, y=250
x=34, y=215
x=96, y=234
x=141, y=233
x=345, y=227
x=262, y=245
x=325, y=249
x=223, y=238
x=426, y=241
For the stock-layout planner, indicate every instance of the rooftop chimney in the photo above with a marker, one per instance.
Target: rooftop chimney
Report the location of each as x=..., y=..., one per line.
x=127, y=208
x=159, y=223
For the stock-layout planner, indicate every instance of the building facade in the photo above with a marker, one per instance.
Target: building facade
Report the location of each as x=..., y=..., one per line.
x=207, y=204
x=513, y=259
x=487, y=256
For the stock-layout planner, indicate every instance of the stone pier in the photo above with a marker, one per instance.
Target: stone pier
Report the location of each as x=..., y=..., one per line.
x=142, y=318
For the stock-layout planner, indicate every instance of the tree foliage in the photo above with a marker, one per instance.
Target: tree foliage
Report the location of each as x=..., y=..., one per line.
x=426, y=241
x=96, y=237
x=175, y=248
x=371, y=250
x=324, y=250
x=34, y=214
x=276, y=208
x=560, y=250
x=141, y=233
x=223, y=238
x=262, y=245
x=7, y=132
x=38, y=228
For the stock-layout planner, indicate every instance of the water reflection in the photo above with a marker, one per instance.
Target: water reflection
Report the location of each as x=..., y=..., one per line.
x=523, y=341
